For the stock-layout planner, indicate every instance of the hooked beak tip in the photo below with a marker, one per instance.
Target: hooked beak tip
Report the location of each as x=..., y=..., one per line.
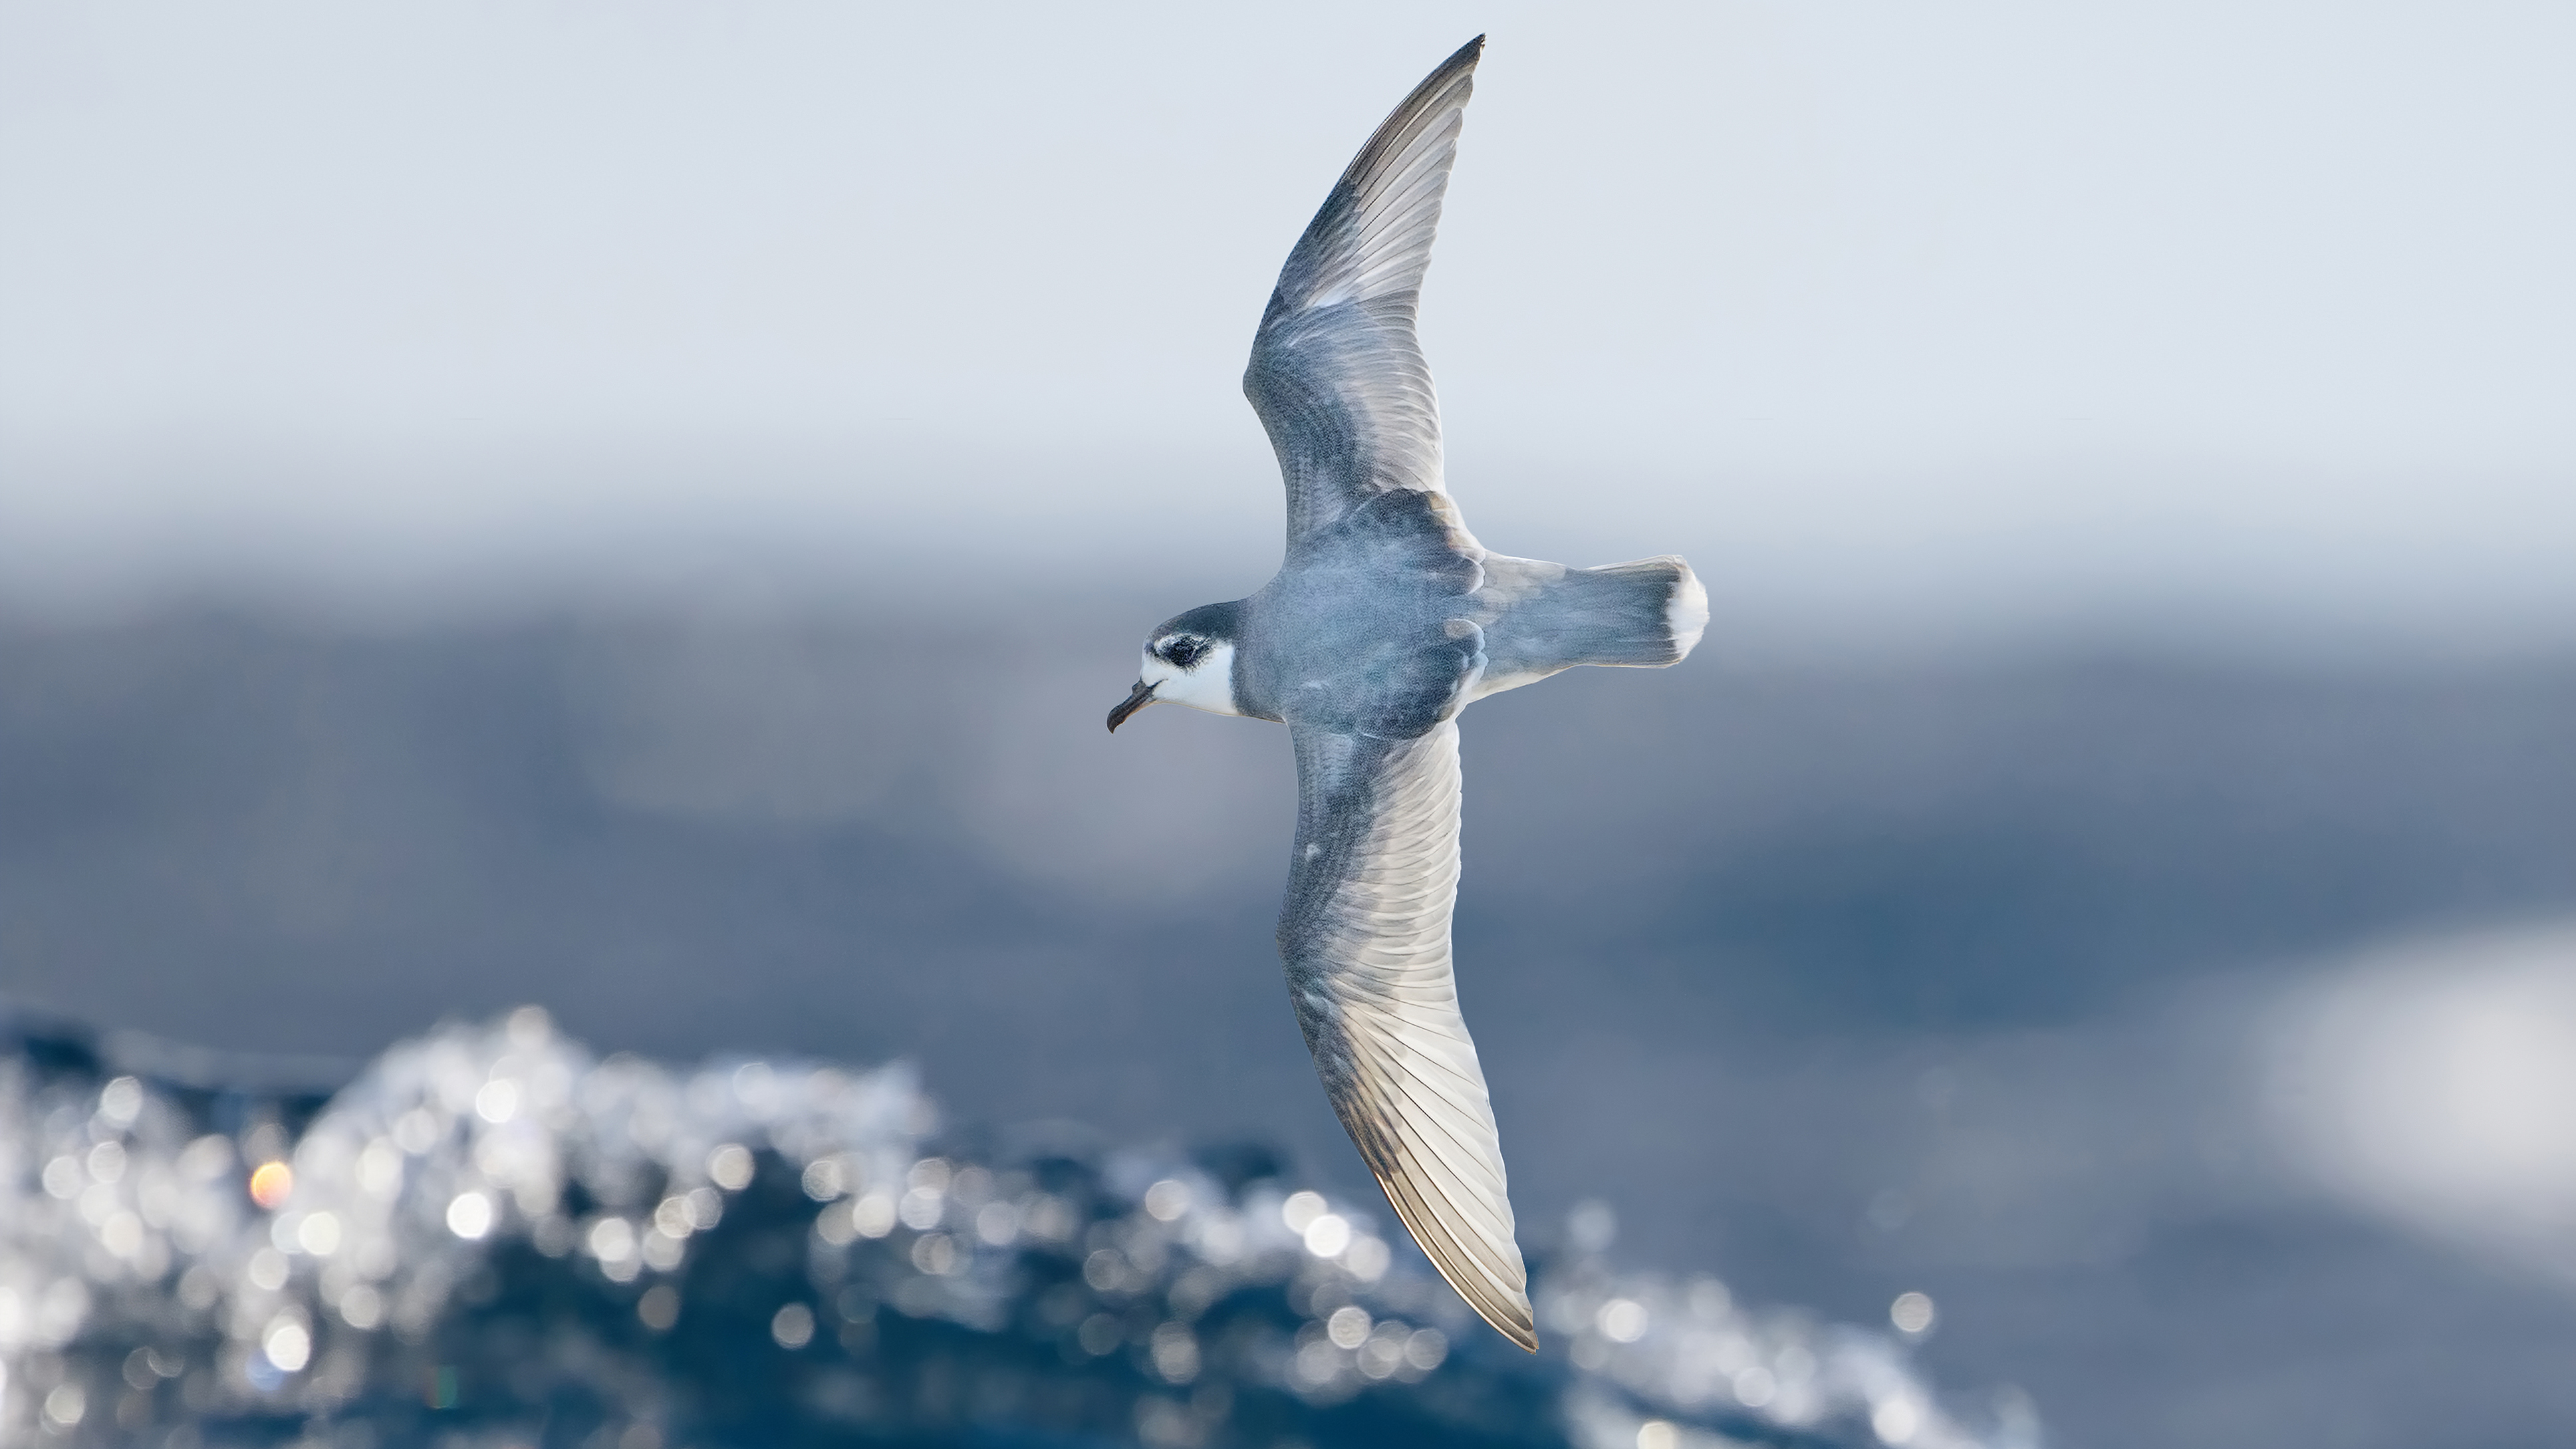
x=1141, y=696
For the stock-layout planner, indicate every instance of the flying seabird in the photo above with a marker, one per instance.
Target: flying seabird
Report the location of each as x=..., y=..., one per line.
x=1386, y=619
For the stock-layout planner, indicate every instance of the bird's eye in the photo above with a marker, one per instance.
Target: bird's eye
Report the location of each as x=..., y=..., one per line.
x=1185, y=651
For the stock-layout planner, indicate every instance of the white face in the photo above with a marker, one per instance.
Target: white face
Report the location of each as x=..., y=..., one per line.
x=1188, y=669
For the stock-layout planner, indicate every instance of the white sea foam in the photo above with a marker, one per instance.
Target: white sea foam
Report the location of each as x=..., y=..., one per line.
x=490, y=1230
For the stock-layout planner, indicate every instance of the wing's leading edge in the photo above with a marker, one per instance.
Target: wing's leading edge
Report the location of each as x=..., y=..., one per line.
x=1337, y=374
x=1365, y=936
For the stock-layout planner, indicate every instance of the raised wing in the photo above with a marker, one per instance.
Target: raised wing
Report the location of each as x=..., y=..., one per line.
x=1365, y=934
x=1337, y=374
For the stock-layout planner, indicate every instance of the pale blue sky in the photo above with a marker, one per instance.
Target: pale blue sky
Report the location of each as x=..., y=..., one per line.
x=2221, y=316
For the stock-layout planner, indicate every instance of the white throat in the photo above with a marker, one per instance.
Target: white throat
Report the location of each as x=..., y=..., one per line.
x=1207, y=685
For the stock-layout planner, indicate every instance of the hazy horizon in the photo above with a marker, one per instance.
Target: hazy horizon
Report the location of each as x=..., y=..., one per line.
x=2212, y=320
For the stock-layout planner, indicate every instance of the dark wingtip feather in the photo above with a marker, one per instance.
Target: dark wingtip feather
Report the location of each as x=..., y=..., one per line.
x=1464, y=58
x=1459, y=63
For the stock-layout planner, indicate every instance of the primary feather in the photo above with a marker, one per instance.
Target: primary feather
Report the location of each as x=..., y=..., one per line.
x=1337, y=375
x=1365, y=936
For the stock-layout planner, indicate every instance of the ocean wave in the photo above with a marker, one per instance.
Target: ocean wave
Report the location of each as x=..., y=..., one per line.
x=490, y=1236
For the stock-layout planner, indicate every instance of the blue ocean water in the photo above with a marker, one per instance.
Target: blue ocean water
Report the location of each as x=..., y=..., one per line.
x=491, y=1236
x=1839, y=982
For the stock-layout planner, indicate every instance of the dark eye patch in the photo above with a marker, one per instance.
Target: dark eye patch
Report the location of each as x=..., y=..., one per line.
x=1185, y=651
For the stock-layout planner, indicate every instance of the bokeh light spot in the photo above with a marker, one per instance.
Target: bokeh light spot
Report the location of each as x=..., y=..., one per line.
x=498, y=1101
x=271, y=1183
x=1912, y=1313
x=729, y=1166
x=823, y=1179
x=872, y=1216
x=318, y=1234
x=1300, y=1209
x=1623, y=1320
x=362, y=1307
x=997, y=1223
x=659, y=1308
x=121, y=1101
x=1175, y=1353
x=1367, y=1259
x=287, y=1344
x=612, y=1240
x=469, y=1215
x=1328, y=1235
x=1167, y=1199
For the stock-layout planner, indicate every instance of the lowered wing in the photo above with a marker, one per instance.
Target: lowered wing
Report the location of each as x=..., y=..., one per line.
x=1337, y=374
x=1365, y=935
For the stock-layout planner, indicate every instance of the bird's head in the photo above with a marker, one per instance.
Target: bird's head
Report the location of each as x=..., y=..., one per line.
x=1188, y=660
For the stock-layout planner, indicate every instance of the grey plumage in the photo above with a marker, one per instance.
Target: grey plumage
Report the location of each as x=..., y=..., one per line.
x=1387, y=618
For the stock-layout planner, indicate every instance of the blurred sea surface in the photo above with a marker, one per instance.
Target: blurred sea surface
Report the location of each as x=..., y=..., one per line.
x=492, y=1237
x=2190, y=1030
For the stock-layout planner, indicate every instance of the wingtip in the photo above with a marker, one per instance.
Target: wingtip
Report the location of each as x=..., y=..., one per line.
x=1510, y=1316
x=1513, y=1321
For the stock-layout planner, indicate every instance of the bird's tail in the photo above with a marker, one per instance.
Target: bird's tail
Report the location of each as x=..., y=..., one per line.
x=1645, y=614
x=1650, y=612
